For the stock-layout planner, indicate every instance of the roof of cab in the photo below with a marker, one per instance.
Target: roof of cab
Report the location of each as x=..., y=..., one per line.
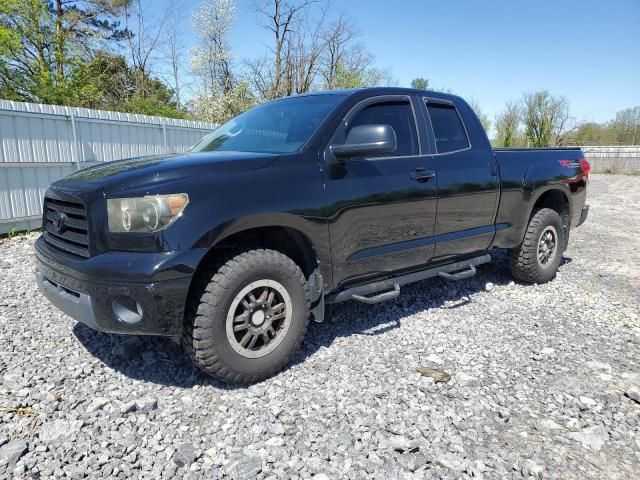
x=378, y=91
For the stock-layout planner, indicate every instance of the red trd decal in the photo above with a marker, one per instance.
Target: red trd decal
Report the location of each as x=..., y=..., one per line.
x=565, y=163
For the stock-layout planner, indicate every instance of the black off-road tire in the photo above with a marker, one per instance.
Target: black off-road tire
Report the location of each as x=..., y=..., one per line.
x=204, y=336
x=524, y=262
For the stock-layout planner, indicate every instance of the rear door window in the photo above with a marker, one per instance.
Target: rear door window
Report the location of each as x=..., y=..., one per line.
x=448, y=128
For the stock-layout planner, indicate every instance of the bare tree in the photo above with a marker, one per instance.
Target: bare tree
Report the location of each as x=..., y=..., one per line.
x=175, y=55
x=304, y=54
x=284, y=19
x=547, y=119
x=145, y=37
x=311, y=49
x=339, y=50
x=483, y=117
x=379, y=77
x=507, y=123
x=260, y=75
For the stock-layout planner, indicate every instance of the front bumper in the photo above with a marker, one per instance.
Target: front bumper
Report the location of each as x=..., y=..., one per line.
x=91, y=290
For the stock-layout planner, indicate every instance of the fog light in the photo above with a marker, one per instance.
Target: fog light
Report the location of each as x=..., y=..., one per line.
x=126, y=309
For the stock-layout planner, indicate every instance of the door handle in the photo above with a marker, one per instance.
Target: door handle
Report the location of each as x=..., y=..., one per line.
x=422, y=175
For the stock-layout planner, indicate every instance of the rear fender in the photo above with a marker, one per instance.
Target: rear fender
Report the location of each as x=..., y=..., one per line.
x=538, y=179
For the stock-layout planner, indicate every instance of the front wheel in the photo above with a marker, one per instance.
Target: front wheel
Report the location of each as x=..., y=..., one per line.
x=538, y=257
x=250, y=317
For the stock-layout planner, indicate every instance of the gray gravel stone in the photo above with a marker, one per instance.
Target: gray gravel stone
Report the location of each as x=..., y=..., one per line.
x=244, y=468
x=59, y=430
x=634, y=394
x=532, y=469
x=146, y=404
x=185, y=455
x=127, y=407
x=466, y=380
x=97, y=404
x=548, y=424
x=11, y=452
x=395, y=442
x=592, y=437
x=586, y=403
x=412, y=461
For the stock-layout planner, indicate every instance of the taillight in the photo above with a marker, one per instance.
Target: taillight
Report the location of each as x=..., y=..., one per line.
x=585, y=166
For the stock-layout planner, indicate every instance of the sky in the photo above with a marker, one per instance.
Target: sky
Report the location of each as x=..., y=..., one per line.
x=491, y=51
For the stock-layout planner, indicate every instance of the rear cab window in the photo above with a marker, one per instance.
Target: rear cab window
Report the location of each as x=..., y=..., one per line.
x=448, y=129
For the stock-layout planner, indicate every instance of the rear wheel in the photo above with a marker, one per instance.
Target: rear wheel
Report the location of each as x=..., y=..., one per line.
x=538, y=257
x=250, y=317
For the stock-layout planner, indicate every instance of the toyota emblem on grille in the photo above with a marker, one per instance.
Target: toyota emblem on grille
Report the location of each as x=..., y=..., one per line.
x=59, y=219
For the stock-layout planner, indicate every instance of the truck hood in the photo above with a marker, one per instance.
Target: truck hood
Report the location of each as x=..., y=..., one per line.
x=139, y=172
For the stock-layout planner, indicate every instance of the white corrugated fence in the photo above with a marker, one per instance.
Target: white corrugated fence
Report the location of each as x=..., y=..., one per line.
x=613, y=158
x=42, y=143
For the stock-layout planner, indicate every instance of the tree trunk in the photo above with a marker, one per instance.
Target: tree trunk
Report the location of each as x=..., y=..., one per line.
x=59, y=52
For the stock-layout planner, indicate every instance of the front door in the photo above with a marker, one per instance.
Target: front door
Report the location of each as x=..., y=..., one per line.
x=381, y=209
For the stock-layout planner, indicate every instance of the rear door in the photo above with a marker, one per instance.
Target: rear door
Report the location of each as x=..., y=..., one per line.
x=468, y=184
x=382, y=208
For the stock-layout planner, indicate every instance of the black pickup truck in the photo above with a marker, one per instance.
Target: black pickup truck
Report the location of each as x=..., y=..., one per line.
x=318, y=198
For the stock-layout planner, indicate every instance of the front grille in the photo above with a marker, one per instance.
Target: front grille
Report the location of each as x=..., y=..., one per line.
x=65, y=226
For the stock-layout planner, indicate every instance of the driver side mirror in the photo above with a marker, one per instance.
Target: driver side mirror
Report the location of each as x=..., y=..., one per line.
x=365, y=140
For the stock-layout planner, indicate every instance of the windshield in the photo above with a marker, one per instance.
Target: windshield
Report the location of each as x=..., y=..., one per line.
x=282, y=126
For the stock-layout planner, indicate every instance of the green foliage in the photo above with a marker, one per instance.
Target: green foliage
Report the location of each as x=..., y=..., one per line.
x=420, y=83
x=592, y=134
x=541, y=119
x=348, y=78
x=15, y=232
x=507, y=126
x=624, y=129
x=108, y=83
x=50, y=52
x=152, y=106
x=627, y=126
x=9, y=39
x=536, y=120
x=104, y=82
x=546, y=118
x=23, y=56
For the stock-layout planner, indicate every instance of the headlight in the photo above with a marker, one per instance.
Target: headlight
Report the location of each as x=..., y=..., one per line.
x=144, y=214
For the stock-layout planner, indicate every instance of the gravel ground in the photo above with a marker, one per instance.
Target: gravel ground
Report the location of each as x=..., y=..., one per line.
x=544, y=380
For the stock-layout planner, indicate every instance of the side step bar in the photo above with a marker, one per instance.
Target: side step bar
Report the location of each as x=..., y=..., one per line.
x=389, y=288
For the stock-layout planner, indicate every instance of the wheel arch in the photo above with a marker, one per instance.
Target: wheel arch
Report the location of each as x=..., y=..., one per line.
x=557, y=199
x=288, y=234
